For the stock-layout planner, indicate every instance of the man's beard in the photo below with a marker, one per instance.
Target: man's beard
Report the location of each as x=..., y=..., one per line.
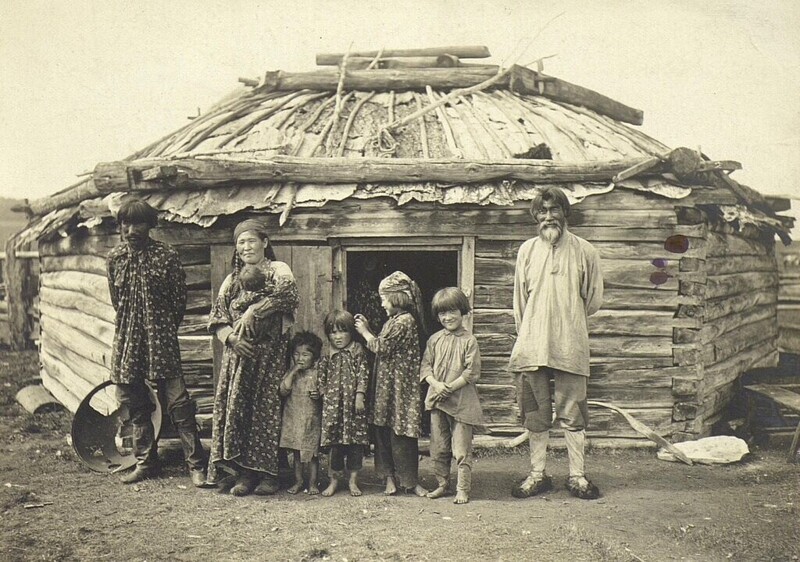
x=550, y=233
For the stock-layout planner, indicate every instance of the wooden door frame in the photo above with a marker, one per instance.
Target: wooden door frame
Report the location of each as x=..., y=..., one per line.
x=464, y=246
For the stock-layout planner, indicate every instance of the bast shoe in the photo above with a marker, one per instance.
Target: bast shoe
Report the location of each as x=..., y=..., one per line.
x=267, y=487
x=138, y=474
x=245, y=484
x=198, y=477
x=532, y=486
x=582, y=488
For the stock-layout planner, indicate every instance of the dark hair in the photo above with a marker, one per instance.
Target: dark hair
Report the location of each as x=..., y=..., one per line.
x=450, y=298
x=399, y=300
x=551, y=195
x=237, y=263
x=339, y=320
x=252, y=278
x=137, y=211
x=307, y=338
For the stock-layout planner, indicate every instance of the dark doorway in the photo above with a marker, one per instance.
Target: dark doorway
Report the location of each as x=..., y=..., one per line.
x=365, y=269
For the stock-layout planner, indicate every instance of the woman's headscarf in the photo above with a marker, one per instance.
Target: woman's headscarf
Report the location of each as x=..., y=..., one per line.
x=399, y=282
x=250, y=224
x=259, y=228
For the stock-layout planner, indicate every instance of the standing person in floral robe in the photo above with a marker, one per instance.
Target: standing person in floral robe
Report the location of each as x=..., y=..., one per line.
x=343, y=380
x=148, y=291
x=396, y=413
x=247, y=406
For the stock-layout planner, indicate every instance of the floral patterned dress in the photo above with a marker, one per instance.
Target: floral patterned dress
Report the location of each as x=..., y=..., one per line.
x=396, y=399
x=247, y=406
x=341, y=375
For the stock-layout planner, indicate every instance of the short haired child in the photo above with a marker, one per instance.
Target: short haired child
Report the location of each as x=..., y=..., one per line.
x=451, y=365
x=255, y=287
x=395, y=406
x=343, y=380
x=302, y=415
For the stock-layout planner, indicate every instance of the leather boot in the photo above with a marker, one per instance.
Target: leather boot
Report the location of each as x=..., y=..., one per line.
x=183, y=418
x=145, y=449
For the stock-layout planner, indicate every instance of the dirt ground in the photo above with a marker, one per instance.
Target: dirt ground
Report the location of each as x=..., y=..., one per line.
x=53, y=508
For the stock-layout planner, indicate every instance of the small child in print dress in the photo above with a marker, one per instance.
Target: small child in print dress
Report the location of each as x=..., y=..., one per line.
x=343, y=380
x=302, y=414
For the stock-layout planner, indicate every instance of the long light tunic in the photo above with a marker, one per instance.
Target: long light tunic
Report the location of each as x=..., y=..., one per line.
x=448, y=356
x=556, y=287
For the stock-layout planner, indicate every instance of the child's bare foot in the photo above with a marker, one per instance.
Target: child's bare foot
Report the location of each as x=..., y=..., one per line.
x=391, y=487
x=295, y=488
x=354, y=489
x=439, y=492
x=313, y=490
x=461, y=497
x=331, y=489
x=420, y=491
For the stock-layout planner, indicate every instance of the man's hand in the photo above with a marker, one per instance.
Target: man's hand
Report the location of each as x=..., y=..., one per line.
x=360, y=406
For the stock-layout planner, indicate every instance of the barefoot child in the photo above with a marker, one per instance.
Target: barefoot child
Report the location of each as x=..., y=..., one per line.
x=451, y=365
x=395, y=408
x=300, y=430
x=343, y=379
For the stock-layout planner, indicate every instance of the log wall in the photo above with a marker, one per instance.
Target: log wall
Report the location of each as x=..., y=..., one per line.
x=739, y=322
x=789, y=297
x=652, y=345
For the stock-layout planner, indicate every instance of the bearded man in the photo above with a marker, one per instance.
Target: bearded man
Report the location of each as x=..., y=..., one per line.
x=557, y=285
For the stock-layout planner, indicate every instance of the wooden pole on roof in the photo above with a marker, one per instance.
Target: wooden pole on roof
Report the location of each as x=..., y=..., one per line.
x=463, y=51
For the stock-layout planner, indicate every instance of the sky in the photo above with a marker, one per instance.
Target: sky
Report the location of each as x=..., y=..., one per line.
x=84, y=82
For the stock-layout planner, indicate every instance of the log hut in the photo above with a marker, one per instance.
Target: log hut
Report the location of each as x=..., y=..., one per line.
x=416, y=160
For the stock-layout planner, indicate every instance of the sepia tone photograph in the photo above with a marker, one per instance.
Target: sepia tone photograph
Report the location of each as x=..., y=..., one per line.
x=422, y=280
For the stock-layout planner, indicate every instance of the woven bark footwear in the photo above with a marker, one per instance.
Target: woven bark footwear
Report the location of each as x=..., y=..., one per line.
x=199, y=479
x=532, y=486
x=582, y=488
x=245, y=484
x=138, y=474
x=267, y=486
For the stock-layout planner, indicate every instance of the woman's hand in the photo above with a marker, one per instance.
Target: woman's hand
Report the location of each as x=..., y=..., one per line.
x=360, y=406
x=240, y=346
x=439, y=390
x=247, y=323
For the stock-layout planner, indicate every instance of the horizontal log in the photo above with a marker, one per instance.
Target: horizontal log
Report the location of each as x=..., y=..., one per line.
x=633, y=250
x=73, y=384
x=501, y=344
x=740, y=264
x=59, y=391
x=196, y=348
x=77, y=301
x=713, y=329
x=764, y=332
x=90, y=325
x=82, y=366
x=789, y=340
x=84, y=263
x=461, y=51
x=492, y=296
x=91, y=285
x=727, y=305
x=789, y=316
x=736, y=283
x=789, y=293
x=730, y=245
x=211, y=172
x=198, y=301
x=190, y=254
x=80, y=242
x=76, y=340
x=498, y=403
x=731, y=368
x=194, y=325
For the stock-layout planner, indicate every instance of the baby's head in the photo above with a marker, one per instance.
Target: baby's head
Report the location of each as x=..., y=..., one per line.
x=306, y=349
x=252, y=278
x=449, y=306
x=340, y=327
